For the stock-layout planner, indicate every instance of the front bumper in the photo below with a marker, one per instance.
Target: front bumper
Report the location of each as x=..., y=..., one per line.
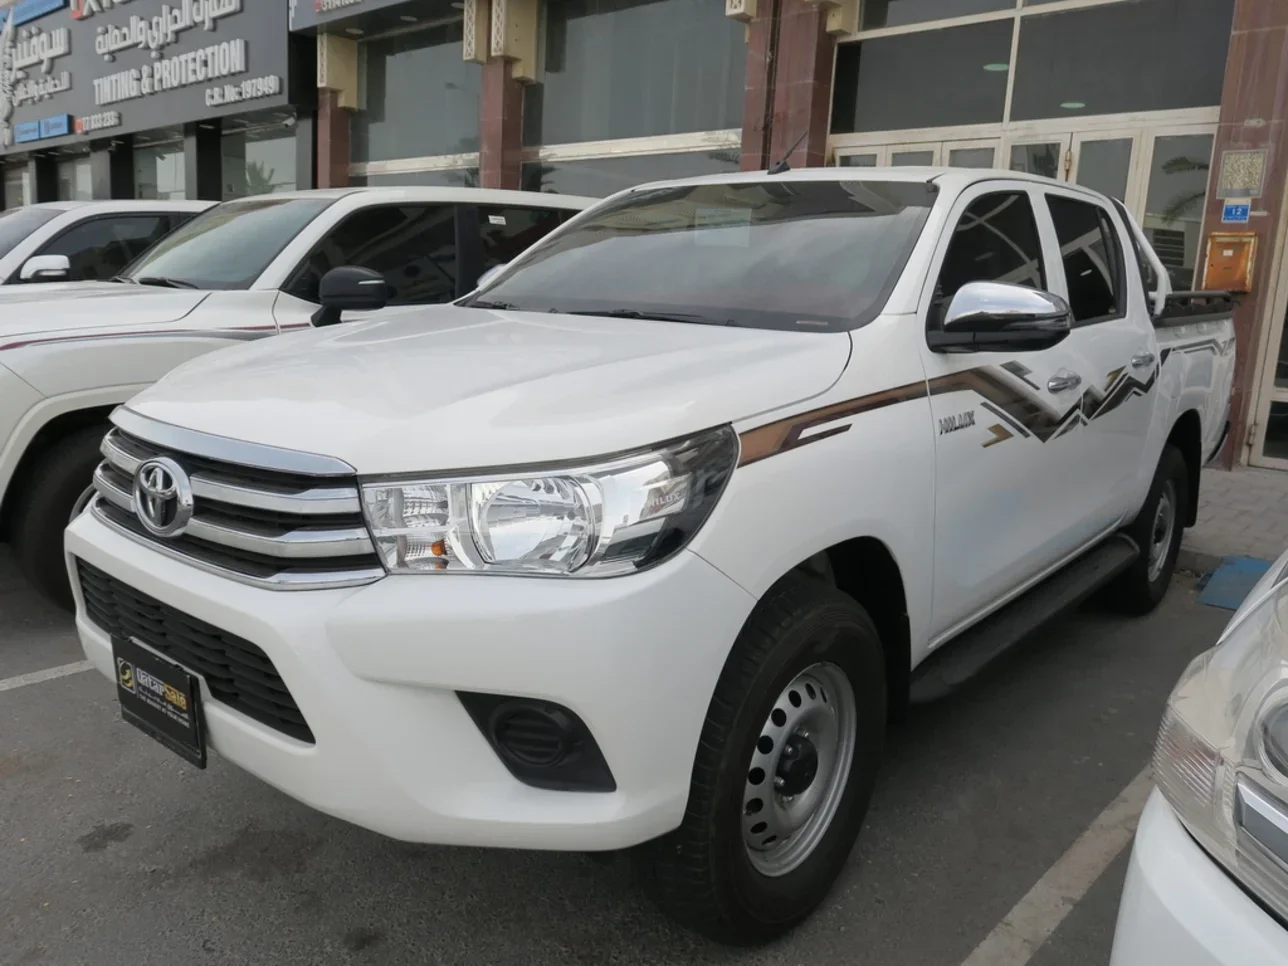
x=375, y=671
x=1180, y=908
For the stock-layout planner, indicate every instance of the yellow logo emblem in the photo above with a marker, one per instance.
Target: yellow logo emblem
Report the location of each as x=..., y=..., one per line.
x=125, y=674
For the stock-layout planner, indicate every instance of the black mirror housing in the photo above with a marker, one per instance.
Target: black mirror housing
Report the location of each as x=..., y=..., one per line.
x=349, y=288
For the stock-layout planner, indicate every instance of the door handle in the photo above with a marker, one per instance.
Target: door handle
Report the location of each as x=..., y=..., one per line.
x=1142, y=359
x=1063, y=381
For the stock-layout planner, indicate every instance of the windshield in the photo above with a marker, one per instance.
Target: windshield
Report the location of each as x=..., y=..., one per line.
x=17, y=223
x=796, y=255
x=229, y=246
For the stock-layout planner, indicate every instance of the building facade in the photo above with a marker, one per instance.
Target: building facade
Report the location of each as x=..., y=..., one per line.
x=1174, y=106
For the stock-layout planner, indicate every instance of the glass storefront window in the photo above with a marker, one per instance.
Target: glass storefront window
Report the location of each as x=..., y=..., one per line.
x=600, y=177
x=1103, y=165
x=1276, y=447
x=1040, y=159
x=417, y=97
x=17, y=186
x=932, y=79
x=622, y=68
x=258, y=158
x=75, y=180
x=1149, y=55
x=452, y=178
x=896, y=13
x=1178, y=178
x=159, y=170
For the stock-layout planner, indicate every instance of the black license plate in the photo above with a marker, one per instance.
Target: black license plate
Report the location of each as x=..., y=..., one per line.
x=160, y=698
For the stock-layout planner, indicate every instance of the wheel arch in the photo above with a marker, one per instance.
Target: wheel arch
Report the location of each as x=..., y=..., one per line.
x=52, y=430
x=866, y=569
x=1187, y=437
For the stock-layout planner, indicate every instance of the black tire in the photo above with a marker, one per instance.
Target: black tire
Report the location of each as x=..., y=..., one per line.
x=43, y=508
x=702, y=873
x=1141, y=587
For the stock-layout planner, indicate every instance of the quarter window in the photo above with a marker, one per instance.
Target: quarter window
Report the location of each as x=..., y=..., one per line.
x=412, y=246
x=996, y=240
x=1093, y=265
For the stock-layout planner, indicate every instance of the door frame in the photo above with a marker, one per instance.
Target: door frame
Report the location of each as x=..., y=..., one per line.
x=1264, y=390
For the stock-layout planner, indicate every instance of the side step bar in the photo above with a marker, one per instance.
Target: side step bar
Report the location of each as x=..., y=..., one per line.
x=962, y=658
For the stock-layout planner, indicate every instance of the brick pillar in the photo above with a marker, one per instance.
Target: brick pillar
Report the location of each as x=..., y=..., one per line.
x=789, y=85
x=758, y=92
x=1254, y=115
x=500, y=126
x=332, y=141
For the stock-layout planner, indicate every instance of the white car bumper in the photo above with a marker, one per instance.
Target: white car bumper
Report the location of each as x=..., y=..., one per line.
x=375, y=671
x=1180, y=908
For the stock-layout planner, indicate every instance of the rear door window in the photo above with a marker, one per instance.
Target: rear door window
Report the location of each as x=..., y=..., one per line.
x=412, y=246
x=1093, y=261
x=508, y=231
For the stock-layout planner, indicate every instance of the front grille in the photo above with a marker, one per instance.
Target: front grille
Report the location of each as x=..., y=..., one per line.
x=286, y=531
x=237, y=672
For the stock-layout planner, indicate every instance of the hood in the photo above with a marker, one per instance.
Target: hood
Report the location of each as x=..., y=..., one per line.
x=456, y=388
x=32, y=310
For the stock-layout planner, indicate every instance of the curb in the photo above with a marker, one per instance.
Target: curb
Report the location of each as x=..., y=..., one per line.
x=1197, y=561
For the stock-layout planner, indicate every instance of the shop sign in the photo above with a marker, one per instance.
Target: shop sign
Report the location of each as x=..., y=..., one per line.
x=305, y=14
x=78, y=67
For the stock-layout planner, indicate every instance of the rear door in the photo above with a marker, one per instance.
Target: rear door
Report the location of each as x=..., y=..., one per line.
x=1113, y=326
x=1011, y=496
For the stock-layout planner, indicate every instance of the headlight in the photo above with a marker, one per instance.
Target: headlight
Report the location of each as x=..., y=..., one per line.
x=615, y=516
x=1222, y=753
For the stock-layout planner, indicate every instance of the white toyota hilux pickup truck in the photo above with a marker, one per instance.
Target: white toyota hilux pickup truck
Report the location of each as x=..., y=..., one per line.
x=247, y=269
x=640, y=544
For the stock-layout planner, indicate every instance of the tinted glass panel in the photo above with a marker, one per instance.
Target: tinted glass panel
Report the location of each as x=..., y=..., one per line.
x=1277, y=432
x=857, y=161
x=1149, y=55
x=508, y=232
x=970, y=158
x=794, y=255
x=159, y=171
x=1104, y=165
x=100, y=249
x=75, y=180
x=416, y=96
x=1043, y=159
x=1281, y=364
x=600, y=177
x=996, y=240
x=622, y=68
x=1092, y=263
x=17, y=187
x=930, y=79
x=412, y=246
x=258, y=161
x=17, y=223
x=229, y=246
x=893, y=13
x=1178, y=180
x=451, y=178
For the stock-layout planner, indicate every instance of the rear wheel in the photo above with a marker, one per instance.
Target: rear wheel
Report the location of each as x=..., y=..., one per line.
x=1157, y=531
x=51, y=491
x=784, y=770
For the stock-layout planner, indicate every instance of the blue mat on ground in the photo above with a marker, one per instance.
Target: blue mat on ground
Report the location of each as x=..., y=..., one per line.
x=1231, y=582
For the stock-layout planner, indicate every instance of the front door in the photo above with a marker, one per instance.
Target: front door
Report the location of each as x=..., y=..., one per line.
x=1012, y=489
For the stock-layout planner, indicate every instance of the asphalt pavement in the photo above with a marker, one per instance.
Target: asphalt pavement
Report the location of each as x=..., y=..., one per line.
x=113, y=851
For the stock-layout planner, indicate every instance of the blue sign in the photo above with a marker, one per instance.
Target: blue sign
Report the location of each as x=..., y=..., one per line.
x=56, y=126
x=27, y=10
x=1235, y=213
x=27, y=131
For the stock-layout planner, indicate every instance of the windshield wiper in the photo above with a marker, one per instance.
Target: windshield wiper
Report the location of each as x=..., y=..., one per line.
x=163, y=282
x=123, y=280
x=486, y=304
x=656, y=316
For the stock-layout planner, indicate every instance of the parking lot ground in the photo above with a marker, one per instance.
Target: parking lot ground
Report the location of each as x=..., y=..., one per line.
x=113, y=851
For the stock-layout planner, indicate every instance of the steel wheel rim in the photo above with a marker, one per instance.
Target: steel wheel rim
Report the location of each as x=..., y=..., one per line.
x=1160, y=535
x=815, y=714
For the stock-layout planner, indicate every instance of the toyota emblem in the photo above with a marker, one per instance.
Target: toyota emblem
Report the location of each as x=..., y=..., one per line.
x=162, y=497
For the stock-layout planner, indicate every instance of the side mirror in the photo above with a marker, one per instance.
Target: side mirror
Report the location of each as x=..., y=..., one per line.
x=350, y=288
x=999, y=316
x=491, y=273
x=46, y=268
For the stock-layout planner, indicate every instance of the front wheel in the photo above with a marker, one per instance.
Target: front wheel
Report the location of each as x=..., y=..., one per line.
x=784, y=770
x=1157, y=531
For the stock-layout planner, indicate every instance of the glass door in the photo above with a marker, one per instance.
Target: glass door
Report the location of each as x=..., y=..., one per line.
x=1048, y=156
x=1105, y=163
x=1270, y=414
x=1176, y=179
